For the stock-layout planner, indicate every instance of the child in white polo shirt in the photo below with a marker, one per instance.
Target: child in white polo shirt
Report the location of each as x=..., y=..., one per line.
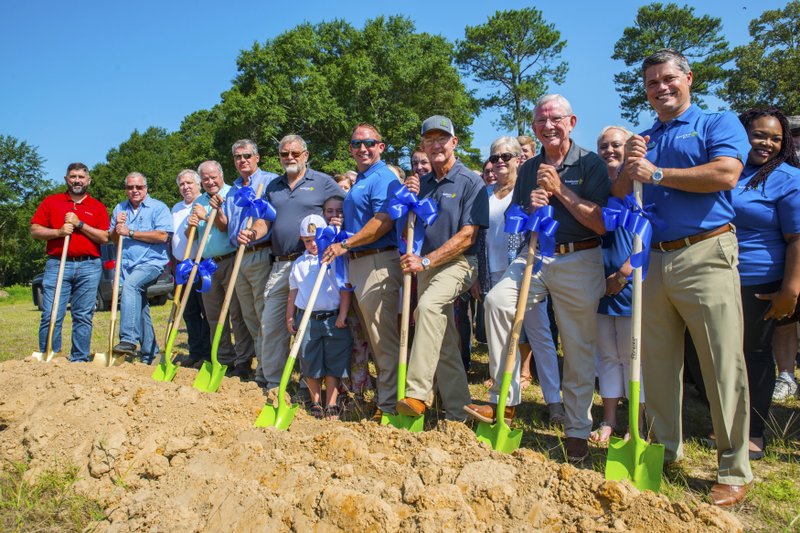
x=326, y=345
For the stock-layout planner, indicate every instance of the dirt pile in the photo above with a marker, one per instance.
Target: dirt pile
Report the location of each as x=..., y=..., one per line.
x=165, y=457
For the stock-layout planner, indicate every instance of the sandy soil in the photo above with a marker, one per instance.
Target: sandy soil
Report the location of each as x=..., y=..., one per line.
x=166, y=457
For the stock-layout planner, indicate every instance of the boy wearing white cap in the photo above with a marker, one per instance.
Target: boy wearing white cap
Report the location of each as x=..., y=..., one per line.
x=326, y=345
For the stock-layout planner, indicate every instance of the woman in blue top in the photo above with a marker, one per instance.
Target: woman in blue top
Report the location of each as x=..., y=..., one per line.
x=767, y=205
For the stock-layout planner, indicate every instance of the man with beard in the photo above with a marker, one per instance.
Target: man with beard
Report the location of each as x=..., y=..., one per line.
x=73, y=213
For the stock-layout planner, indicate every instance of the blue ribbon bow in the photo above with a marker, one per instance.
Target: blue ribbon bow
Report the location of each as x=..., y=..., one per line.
x=205, y=269
x=625, y=213
x=324, y=238
x=426, y=210
x=253, y=207
x=541, y=221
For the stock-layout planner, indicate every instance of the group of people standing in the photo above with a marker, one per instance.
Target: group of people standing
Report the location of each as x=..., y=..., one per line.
x=721, y=194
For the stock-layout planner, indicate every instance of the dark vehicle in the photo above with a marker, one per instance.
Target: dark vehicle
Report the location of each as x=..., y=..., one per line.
x=157, y=293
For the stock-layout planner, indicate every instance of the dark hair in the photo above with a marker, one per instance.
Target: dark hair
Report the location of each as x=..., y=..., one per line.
x=369, y=127
x=77, y=166
x=787, y=153
x=665, y=55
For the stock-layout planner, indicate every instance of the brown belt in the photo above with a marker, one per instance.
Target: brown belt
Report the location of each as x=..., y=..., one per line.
x=290, y=257
x=567, y=247
x=219, y=258
x=677, y=244
x=371, y=251
x=259, y=246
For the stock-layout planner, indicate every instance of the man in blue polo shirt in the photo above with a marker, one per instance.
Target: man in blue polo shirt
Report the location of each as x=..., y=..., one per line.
x=374, y=262
x=689, y=161
x=299, y=192
x=256, y=261
x=146, y=224
x=216, y=194
x=446, y=268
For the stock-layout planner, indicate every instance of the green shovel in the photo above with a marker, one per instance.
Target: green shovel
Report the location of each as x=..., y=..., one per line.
x=412, y=423
x=634, y=459
x=499, y=435
x=281, y=416
x=166, y=369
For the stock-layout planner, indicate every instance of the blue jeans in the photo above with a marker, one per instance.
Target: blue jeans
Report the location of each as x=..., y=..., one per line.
x=135, y=325
x=79, y=289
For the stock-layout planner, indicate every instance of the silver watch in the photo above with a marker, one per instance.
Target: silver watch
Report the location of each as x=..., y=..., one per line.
x=426, y=263
x=657, y=176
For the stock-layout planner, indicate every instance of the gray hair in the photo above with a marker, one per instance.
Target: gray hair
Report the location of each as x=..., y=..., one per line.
x=244, y=143
x=560, y=100
x=509, y=142
x=626, y=132
x=136, y=175
x=291, y=139
x=210, y=162
x=187, y=171
x=666, y=55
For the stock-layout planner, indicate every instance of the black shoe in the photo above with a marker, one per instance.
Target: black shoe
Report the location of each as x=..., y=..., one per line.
x=303, y=398
x=126, y=348
x=242, y=371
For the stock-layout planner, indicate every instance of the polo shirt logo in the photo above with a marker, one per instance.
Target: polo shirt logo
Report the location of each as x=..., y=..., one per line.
x=448, y=195
x=304, y=188
x=651, y=144
x=686, y=135
x=573, y=182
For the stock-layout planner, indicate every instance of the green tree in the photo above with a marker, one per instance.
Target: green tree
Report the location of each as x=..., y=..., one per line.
x=320, y=80
x=767, y=69
x=517, y=54
x=657, y=26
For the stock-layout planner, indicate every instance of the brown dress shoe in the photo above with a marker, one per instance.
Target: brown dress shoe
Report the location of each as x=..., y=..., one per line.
x=577, y=449
x=410, y=407
x=486, y=413
x=725, y=495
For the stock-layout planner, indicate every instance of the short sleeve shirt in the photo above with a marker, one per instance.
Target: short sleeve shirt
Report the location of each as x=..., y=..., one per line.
x=51, y=213
x=152, y=215
x=217, y=243
x=233, y=213
x=763, y=216
x=694, y=138
x=461, y=200
x=180, y=216
x=292, y=205
x=370, y=195
x=302, y=277
x=584, y=173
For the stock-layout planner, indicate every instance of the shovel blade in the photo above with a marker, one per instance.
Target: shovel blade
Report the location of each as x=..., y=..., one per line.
x=499, y=436
x=43, y=357
x=165, y=371
x=279, y=417
x=209, y=377
x=414, y=424
x=637, y=461
x=102, y=359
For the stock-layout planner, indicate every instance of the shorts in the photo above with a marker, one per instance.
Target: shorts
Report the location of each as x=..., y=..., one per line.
x=325, y=350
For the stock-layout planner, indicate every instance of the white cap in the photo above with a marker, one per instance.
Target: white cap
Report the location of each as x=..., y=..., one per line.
x=310, y=225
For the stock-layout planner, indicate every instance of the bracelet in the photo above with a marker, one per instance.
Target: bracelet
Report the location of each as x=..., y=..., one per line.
x=621, y=278
x=253, y=234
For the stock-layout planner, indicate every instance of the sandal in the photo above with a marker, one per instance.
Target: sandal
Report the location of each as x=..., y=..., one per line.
x=602, y=433
x=332, y=413
x=317, y=411
x=525, y=382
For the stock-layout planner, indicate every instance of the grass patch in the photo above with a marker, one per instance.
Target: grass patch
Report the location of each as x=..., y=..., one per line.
x=15, y=294
x=48, y=504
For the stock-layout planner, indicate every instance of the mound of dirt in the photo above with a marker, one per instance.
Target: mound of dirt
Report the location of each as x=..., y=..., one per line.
x=166, y=457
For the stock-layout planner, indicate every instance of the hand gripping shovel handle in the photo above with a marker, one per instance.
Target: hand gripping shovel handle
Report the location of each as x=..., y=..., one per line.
x=56, y=301
x=402, y=360
x=114, y=300
x=176, y=297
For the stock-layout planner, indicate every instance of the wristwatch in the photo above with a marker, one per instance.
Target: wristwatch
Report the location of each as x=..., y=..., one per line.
x=345, y=244
x=657, y=176
x=131, y=233
x=426, y=263
x=80, y=224
x=621, y=278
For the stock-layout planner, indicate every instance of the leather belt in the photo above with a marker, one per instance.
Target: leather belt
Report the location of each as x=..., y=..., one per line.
x=319, y=315
x=677, y=244
x=219, y=258
x=371, y=251
x=290, y=257
x=76, y=258
x=577, y=246
x=259, y=246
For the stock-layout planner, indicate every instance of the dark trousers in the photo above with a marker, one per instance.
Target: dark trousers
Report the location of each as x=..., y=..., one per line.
x=197, y=325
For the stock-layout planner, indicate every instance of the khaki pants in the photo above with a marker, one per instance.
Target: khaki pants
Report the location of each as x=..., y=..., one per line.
x=697, y=287
x=274, y=335
x=435, y=350
x=228, y=353
x=376, y=280
x=253, y=275
x=576, y=283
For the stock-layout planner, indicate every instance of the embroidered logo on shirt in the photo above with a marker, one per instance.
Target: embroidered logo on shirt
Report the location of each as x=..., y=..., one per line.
x=448, y=195
x=573, y=182
x=306, y=188
x=686, y=135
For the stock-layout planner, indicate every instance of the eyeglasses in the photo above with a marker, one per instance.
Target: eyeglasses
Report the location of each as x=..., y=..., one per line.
x=441, y=141
x=506, y=157
x=369, y=143
x=294, y=155
x=136, y=187
x=554, y=120
x=239, y=157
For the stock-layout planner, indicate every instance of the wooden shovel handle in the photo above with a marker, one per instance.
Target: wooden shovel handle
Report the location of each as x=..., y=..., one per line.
x=522, y=302
x=56, y=299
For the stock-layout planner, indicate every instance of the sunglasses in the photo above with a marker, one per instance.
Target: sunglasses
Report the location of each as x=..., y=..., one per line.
x=238, y=157
x=294, y=155
x=368, y=143
x=506, y=157
x=136, y=187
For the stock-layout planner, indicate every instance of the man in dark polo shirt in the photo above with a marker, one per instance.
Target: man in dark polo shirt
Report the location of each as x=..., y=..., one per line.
x=574, y=181
x=73, y=213
x=299, y=192
x=446, y=268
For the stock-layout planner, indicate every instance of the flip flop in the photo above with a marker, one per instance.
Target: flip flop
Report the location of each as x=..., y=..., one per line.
x=603, y=433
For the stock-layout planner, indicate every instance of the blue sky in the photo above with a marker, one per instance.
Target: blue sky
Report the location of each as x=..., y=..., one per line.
x=80, y=76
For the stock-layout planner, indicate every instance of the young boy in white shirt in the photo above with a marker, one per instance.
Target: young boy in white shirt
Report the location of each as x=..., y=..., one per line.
x=326, y=346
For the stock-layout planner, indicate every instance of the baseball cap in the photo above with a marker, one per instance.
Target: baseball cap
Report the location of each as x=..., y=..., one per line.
x=438, y=122
x=310, y=225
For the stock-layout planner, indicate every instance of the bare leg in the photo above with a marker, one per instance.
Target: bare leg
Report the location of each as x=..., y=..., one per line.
x=331, y=390
x=314, y=389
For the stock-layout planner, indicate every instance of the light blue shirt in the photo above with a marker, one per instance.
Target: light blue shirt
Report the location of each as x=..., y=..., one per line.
x=152, y=215
x=217, y=243
x=234, y=213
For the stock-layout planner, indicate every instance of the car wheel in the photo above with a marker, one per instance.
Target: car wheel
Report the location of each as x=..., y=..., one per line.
x=100, y=304
x=159, y=300
x=38, y=297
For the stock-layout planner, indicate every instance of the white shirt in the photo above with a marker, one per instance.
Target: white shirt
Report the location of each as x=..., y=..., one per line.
x=180, y=214
x=302, y=277
x=496, y=237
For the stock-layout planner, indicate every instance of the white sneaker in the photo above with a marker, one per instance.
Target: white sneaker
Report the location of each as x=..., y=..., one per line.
x=784, y=388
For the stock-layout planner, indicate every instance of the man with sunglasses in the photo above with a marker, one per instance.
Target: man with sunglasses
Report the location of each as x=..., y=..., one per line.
x=574, y=182
x=300, y=191
x=374, y=261
x=446, y=268
x=146, y=224
x=256, y=262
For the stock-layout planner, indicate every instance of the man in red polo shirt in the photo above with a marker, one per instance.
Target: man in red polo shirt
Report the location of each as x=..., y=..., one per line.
x=73, y=213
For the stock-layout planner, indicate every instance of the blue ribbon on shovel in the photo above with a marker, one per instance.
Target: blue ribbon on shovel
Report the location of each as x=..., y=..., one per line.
x=541, y=221
x=324, y=238
x=426, y=210
x=205, y=270
x=253, y=207
x=625, y=213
